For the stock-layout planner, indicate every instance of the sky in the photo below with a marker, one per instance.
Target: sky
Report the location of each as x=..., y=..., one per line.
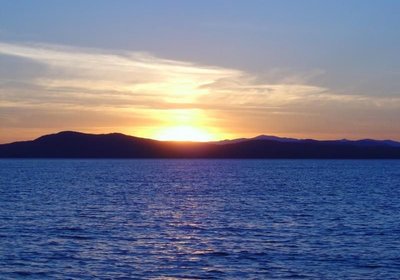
x=200, y=70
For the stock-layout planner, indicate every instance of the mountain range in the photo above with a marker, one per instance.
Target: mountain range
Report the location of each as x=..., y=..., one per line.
x=70, y=144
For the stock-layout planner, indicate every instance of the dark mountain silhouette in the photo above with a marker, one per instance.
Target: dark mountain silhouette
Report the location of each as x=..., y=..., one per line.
x=69, y=144
x=365, y=142
x=259, y=137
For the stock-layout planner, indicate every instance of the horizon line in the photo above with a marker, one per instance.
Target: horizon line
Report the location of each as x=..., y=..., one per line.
x=278, y=137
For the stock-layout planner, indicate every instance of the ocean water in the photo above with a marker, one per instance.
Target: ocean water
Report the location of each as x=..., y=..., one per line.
x=199, y=219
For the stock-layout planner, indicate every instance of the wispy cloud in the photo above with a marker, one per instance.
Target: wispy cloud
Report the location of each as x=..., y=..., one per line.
x=125, y=85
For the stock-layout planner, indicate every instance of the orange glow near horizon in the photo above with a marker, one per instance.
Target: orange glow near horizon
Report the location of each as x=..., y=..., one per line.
x=182, y=125
x=184, y=133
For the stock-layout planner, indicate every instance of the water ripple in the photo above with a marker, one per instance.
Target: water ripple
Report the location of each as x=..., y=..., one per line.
x=199, y=219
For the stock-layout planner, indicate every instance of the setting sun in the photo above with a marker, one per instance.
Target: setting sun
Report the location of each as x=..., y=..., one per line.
x=184, y=133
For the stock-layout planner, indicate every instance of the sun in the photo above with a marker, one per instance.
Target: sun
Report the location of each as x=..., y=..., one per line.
x=184, y=133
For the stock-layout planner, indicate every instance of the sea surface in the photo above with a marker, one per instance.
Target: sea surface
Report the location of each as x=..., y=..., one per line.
x=199, y=219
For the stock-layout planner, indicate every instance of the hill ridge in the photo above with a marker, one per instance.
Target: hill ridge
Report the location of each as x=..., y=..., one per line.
x=73, y=144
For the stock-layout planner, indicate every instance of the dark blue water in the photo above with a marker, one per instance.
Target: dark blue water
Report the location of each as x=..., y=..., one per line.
x=199, y=219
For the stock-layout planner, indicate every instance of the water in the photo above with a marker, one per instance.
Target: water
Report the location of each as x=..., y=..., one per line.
x=199, y=219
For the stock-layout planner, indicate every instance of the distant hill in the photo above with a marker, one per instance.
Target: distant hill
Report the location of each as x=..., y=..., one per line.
x=365, y=142
x=259, y=137
x=69, y=144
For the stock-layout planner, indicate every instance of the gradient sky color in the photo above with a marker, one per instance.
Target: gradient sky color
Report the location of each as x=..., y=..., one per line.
x=224, y=69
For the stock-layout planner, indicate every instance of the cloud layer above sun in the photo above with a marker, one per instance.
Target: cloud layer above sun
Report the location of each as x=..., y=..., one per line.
x=46, y=88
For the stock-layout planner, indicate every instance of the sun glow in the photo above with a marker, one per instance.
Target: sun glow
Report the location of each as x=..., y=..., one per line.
x=184, y=133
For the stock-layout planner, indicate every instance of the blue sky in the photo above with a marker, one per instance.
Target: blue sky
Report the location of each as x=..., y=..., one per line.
x=347, y=49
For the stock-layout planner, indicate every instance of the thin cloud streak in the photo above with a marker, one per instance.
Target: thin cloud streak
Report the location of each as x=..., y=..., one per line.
x=123, y=83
